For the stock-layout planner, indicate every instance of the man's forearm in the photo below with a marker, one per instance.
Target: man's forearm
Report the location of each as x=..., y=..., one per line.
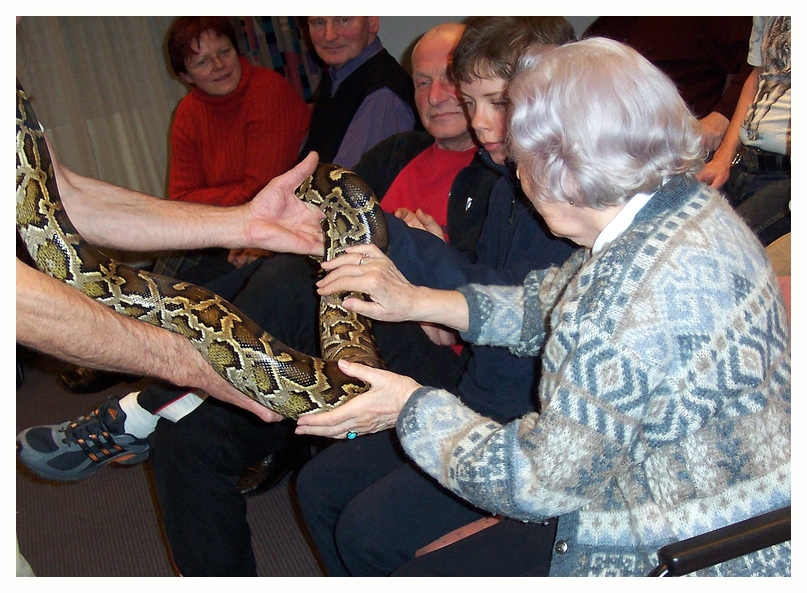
x=57, y=319
x=111, y=216
x=116, y=217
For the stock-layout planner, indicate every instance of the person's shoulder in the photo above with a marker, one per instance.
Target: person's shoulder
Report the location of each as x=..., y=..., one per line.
x=264, y=73
x=267, y=82
x=267, y=77
x=394, y=67
x=384, y=63
x=390, y=59
x=387, y=97
x=413, y=141
x=186, y=108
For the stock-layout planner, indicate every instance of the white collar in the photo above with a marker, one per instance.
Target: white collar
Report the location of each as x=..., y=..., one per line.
x=620, y=223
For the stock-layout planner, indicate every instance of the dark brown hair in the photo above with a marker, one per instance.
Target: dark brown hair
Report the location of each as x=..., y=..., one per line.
x=186, y=31
x=491, y=46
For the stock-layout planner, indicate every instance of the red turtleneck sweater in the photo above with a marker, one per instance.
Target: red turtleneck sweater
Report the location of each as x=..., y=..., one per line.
x=226, y=149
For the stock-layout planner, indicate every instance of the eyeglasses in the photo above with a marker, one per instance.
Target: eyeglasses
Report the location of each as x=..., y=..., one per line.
x=206, y=62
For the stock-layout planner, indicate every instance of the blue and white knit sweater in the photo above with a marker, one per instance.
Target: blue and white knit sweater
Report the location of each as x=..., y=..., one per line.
x=665, y=394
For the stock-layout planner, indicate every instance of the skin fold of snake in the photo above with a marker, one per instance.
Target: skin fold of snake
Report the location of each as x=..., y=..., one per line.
x=258, y=365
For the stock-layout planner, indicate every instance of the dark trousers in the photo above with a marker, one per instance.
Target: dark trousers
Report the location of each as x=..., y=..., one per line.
x=197, y=460
x=507, y=549
x=197, y=266
x=762, y=199
x=368, y=509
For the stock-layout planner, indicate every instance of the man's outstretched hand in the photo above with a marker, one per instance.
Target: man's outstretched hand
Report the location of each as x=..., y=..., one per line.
x=277, y=220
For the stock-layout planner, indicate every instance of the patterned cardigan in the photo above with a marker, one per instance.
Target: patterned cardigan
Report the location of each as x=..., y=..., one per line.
x=665, y=394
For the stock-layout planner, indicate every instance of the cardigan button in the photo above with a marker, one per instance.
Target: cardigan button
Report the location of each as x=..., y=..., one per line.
x=561, y=547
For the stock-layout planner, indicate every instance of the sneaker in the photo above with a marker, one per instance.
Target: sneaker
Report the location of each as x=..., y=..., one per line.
x=76, y=449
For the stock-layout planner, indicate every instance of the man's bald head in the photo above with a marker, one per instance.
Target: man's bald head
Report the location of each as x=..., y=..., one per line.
x=447, y=32
x=435, y=94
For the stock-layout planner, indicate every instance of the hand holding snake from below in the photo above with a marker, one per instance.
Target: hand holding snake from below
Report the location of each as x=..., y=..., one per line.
x=369, y=412
x=277, y=208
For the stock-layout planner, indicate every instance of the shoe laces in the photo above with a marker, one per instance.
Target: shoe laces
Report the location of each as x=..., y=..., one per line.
x=92, y=434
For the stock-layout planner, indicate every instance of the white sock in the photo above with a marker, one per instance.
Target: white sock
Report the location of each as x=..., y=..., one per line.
x=139, y=422
x=182, y=406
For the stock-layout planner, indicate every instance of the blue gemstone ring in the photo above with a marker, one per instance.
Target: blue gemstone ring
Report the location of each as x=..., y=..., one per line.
x=351, y=434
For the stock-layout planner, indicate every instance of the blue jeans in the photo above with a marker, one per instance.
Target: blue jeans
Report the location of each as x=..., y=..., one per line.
x=763, y=200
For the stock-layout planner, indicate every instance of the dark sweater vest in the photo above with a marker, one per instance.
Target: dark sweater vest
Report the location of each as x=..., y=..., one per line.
x=331, y=116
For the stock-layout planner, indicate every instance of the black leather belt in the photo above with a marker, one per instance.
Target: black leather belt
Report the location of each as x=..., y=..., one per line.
x=754, y=160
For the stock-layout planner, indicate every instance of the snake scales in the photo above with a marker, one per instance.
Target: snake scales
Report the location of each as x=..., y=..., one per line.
x=278, y=377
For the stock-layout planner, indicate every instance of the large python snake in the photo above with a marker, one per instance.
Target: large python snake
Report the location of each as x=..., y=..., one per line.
x=276, y=376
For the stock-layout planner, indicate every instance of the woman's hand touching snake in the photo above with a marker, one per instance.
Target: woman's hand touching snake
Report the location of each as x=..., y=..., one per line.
x=365, y=269
x=372, y=411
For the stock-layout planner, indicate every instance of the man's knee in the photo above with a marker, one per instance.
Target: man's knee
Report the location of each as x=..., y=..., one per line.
x=311, y=489
x=280, y=297
x=364, y=546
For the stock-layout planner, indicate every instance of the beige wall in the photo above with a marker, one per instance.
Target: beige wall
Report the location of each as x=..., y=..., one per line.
x=400, y=32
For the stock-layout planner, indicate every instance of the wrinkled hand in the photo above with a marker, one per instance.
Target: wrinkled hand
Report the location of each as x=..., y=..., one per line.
x=713, y=128
x=242, y=257
x=373, y=411
x=715, y=173
x=277, y=220
x=420, y=220
x=439, y=334
x=365, y=269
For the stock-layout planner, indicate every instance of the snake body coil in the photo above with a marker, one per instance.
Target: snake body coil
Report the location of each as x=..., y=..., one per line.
x=278, y=377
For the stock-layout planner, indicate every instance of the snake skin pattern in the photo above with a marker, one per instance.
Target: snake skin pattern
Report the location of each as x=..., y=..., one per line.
x=278, y=377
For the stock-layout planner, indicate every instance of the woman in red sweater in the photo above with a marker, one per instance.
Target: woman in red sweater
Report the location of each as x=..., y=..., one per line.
x=238, y=127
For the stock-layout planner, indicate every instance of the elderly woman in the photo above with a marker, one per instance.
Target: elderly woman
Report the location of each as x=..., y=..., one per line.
x=665, y=391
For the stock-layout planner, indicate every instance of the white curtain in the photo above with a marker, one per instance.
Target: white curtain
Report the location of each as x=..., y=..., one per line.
x=102, y=88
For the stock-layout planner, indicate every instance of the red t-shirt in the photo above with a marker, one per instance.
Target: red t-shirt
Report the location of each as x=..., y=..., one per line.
x=426, y=182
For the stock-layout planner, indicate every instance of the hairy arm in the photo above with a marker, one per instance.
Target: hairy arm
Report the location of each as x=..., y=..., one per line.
x=57, y=319
x=716, y=172
x=112, y=216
